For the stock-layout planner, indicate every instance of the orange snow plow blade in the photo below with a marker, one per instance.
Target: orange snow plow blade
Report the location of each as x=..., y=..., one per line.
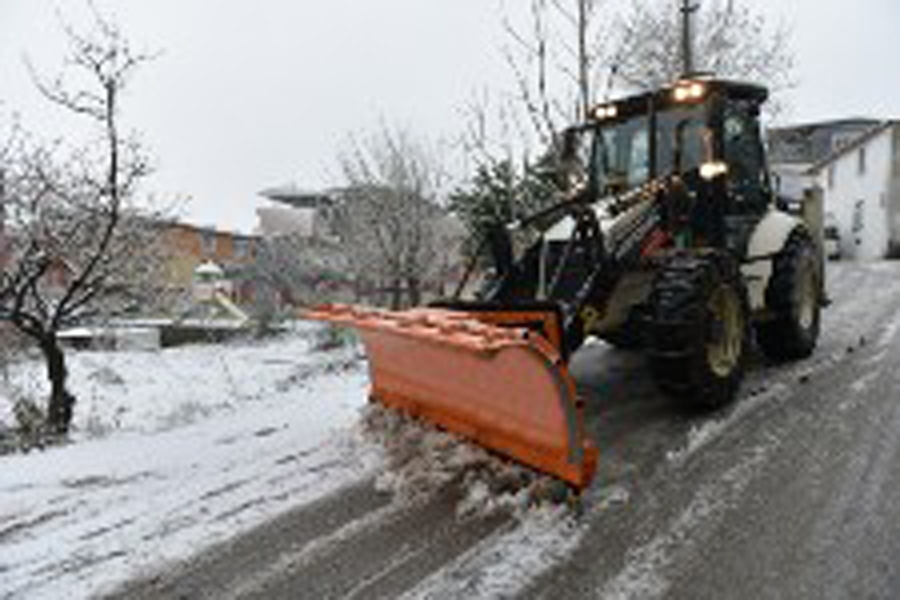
x=480, y=374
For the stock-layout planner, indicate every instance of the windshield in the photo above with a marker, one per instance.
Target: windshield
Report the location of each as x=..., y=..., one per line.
x=622, y=148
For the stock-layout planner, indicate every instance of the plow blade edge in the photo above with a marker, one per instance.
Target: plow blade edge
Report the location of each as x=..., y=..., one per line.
x=507, y=388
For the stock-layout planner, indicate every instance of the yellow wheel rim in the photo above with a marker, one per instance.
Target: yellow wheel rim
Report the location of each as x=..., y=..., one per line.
x=725, y=344
x=806, y=297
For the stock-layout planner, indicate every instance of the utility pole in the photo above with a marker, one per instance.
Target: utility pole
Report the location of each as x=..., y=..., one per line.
x=2, y=210
x=687, y=54
x=583, y=60
x=3, y=243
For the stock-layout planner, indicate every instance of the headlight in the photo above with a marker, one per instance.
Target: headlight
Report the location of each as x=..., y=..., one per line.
x=712, y=169
x=688, y=90
x=606, y=111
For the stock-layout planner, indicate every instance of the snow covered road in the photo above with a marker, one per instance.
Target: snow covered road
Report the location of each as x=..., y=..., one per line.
x=786, y=493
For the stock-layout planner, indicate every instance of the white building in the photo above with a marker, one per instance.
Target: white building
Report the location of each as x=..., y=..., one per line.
x=795, y=149
x=295, y=211
x=861, y=185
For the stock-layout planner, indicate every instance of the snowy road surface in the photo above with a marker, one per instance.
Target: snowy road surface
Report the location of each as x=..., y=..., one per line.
x=788, y=493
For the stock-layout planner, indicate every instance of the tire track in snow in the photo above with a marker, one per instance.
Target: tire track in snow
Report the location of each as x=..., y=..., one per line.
x=222, y=569
x=380, y=556
x=852, y=518
x=645, y=573
x=505, y=563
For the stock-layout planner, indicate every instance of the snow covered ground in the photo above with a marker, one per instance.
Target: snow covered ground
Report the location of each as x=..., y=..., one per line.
x=175, y=450
x=172, y=451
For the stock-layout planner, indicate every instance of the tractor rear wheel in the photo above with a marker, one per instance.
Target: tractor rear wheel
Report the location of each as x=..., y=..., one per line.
x=793, y=298
x=698, y=331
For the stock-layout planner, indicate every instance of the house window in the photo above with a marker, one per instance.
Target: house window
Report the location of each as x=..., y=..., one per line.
x=858, y=214
x=830, y=176
x=861, y=161
x=208, y=242
x=241, y=247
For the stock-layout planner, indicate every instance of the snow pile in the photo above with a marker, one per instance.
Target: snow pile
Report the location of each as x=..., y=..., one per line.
x=147, y=481
x=421, y=460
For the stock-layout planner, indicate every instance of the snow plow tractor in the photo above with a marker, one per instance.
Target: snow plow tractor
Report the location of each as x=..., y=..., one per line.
x=666, y=239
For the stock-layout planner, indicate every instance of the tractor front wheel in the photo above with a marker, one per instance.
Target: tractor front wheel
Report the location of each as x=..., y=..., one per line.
x=793, y=299
x=698, y=333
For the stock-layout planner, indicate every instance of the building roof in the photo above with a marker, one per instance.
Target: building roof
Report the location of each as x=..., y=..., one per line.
x=297, y=197
x=173, y=223
x=857, y=142
x=827, y=124
x=811, y=142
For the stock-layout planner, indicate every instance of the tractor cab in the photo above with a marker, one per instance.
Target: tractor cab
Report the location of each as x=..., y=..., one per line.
x=699, y=143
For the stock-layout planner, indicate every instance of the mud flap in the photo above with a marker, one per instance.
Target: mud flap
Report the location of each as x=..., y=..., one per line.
x=506, y=388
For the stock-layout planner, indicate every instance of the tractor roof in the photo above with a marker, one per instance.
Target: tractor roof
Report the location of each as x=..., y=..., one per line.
x=684, y=91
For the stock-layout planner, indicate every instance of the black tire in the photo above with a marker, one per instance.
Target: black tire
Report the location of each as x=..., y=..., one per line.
x=792, y=301
x=698, y=330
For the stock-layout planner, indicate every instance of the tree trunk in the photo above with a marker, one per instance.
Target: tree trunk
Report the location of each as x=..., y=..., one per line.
x=396, y=294
x=415, y=291
x=59, y=410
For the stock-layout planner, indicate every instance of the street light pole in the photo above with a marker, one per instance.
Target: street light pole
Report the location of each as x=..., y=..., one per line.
x=687, y=54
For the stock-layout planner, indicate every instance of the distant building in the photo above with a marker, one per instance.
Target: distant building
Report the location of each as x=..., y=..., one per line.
x=303, y=255
x=811, y=142
x=861, y=185
x=793, y=150
x=305, y=221
x=188, y=246
x=856, y=163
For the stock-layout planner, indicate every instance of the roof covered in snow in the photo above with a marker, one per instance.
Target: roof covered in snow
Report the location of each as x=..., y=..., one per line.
x=852, y=145
x=298, y=197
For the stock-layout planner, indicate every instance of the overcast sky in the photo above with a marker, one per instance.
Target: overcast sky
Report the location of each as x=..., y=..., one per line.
x=249, y=95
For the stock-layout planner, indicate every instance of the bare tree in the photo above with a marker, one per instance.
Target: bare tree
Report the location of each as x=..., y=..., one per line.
x=731, y=41
x=66, y=209
x=566, y=55
x=299, y=270
x=555, y=58
x=388, y=218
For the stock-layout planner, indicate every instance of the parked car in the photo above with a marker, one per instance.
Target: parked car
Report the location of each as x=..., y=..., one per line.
x=832, y=242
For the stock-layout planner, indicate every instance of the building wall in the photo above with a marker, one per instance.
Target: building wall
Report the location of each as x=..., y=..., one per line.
x=894, y=195
x=793, y=179
x=860, y=202
x=188, y=246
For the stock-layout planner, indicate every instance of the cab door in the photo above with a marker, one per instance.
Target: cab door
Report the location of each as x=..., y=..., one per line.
x=747, y=180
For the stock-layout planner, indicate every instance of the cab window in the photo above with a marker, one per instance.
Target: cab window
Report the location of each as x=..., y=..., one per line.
x=743, y=154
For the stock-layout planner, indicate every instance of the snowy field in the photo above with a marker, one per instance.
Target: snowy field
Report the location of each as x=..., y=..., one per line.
x=173, y=451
